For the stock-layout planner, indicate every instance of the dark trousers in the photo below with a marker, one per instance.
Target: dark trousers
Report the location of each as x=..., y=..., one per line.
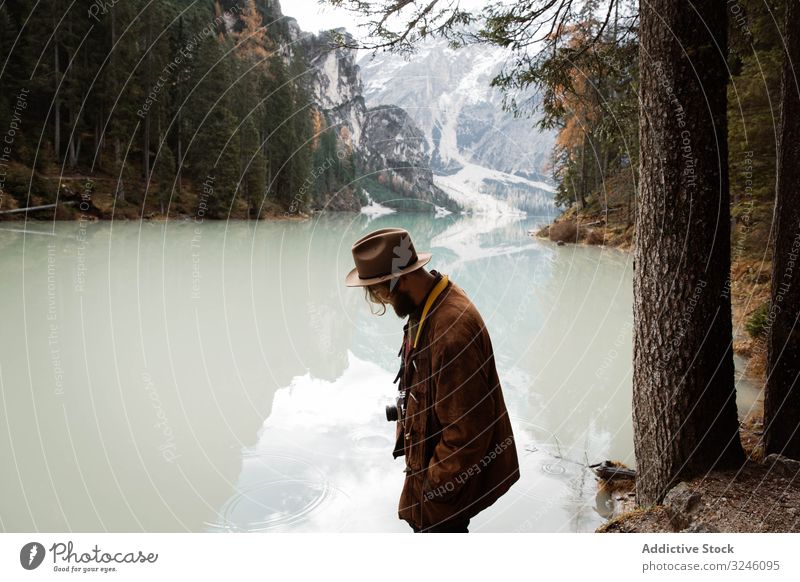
x=446, y=527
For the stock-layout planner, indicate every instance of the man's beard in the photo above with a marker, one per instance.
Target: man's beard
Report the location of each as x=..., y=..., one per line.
x=403, y=304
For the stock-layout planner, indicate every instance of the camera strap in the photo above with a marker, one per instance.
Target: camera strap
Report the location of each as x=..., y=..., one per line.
x=407, y=348
x=437, y=290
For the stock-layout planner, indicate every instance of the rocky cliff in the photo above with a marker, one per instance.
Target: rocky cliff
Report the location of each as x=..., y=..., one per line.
x=481, y=154
x=390, y=150
x=448, y=92
x=396, y=157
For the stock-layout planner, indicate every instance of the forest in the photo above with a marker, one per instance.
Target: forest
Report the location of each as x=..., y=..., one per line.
x=153, y=107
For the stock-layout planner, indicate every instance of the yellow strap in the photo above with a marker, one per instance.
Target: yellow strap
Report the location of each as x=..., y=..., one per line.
x=431, y=298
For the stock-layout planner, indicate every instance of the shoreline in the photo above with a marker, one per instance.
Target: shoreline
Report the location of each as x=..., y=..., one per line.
x=745, y=500
x=63, y=212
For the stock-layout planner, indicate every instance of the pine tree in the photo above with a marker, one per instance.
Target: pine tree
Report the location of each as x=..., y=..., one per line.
x=684, y=406
x=211, y=150
x=302, y=152
x=279, y=131
x=782, y=397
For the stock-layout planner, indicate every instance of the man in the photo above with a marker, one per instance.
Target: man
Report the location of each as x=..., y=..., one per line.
x=452, y=424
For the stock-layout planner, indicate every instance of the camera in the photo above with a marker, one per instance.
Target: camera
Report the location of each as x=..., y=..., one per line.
x=395, y=412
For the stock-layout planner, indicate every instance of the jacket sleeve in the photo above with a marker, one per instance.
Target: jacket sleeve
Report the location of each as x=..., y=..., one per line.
x=464, y=406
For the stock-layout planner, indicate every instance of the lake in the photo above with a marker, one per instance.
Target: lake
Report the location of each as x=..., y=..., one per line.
x=219, y=376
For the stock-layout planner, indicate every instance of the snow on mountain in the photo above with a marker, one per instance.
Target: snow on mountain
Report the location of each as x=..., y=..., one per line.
x=390, y=149
x=374, y=209
x=484, y=190
x=478, y=150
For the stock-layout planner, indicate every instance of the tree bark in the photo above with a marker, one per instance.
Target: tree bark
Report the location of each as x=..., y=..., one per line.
x=179, y=121
x=148, y=86
x=782, y=398
x=74, y=144
x=582, y=193
x=56, y=97
x=684, y=406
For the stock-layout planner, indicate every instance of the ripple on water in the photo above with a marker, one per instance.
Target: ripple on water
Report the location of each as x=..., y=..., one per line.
x=372, y=442
x=280, y=491
x=553, y=468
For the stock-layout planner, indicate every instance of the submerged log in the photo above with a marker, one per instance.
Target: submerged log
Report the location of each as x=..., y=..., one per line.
x=609, y=471
x=42, y=207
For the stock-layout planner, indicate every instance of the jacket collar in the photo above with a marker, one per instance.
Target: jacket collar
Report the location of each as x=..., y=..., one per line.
x=413, y=318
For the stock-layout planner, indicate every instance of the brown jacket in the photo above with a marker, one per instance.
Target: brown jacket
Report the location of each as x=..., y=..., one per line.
x=456, y=438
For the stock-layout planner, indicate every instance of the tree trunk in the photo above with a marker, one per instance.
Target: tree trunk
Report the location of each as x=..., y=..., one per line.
x=582, y=193
x=74, y=149
x=782, y=398
x=243, y=164
x=74, y=143
x=162, y=186
x=684, y=406
x=56, y=98
x=118, y=165
x=120, y=187
x=148, y=86
x=179, y=158
x=98, y=136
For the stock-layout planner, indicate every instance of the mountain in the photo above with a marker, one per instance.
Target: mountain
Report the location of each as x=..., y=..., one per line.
x=373, y=154
x=481, y=154
x=391, y=154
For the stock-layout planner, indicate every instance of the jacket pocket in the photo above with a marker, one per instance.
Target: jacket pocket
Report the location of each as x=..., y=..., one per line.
x=434, y=510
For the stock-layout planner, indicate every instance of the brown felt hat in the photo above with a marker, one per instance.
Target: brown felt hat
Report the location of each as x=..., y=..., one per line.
x=382, y=255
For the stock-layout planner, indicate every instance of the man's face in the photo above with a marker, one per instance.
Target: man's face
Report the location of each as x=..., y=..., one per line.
x=401, y=301
x=398, y=297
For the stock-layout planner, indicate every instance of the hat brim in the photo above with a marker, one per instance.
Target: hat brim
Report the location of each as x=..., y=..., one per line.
x=353, y=280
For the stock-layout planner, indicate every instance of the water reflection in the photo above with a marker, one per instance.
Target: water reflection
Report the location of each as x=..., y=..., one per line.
x=334, y=431
x=328, y=443
x=219, y=377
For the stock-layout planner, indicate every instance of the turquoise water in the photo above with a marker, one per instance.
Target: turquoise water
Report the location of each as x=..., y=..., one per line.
x=219, y=376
